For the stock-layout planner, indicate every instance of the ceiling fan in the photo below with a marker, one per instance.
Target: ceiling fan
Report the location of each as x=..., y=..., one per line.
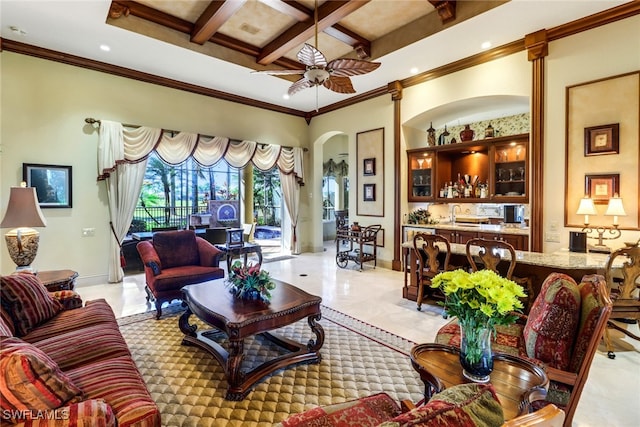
x=333, y=75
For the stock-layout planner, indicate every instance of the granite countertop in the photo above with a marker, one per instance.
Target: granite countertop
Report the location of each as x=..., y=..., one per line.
x=487, y=228
x=559, y=259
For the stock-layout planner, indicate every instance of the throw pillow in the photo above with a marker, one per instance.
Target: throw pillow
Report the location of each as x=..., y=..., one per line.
x=460, y=405
x=176, y=248
x=30, y=380
x=367, y=411
x=553, y=321
x=27, y=301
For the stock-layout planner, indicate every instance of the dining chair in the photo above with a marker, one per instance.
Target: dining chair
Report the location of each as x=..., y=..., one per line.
x=626, y=302
x=491, y=256
x=428, y=250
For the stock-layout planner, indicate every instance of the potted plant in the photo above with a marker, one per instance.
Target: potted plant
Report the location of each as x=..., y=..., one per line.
x=249, y=282
x=480, y=300
x=419, y=216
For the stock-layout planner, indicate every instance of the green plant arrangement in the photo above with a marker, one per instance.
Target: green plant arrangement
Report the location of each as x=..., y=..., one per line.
x=419, y=216
x=480, y=300
x=249, y=282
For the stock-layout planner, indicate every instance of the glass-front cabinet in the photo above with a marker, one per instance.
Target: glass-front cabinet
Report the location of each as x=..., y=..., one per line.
x=489, y=169
x=510, y=176
x=420, y=175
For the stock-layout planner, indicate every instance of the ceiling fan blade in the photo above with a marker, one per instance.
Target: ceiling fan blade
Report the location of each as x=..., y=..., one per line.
x=339, y=84
x=279, y=72
x=311, y=56
x=345, y=67
x=303, y=83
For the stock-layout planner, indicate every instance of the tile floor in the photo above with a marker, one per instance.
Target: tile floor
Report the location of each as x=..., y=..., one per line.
x=612, y=393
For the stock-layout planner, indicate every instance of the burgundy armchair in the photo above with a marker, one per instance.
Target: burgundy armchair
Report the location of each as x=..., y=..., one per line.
x=173, y=259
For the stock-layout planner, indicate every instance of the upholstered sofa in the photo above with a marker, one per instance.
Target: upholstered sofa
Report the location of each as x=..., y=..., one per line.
x=174, y=259
x=64, y=364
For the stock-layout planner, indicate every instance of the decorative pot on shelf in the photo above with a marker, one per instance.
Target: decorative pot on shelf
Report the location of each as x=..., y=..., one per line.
x=476, y=358
x=489, y=132
x=467, y=134
x=431, y=136
x=355, y=226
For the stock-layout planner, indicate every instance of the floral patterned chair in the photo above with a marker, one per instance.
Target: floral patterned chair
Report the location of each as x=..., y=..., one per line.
x=561, y=332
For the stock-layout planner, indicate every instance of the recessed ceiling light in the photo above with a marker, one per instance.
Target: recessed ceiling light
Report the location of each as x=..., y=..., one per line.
x=285, y=96
x=485, y=45
x=414, y=70
x=105, y=47
x=17, y=31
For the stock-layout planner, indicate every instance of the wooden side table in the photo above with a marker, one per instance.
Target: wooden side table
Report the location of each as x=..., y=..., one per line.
x=58, y=280
x=237, y=251
x=517, y=381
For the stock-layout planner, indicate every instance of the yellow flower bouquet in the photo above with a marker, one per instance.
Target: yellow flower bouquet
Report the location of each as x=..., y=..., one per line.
x=480, y=300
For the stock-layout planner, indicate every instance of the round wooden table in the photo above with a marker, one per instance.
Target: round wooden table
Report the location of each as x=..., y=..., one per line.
x=517, y=381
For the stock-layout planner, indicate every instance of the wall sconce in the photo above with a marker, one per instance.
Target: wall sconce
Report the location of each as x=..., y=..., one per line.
x=23, y=212
x=614, y=208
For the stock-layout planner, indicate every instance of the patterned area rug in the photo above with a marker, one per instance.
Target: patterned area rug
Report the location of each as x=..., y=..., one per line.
x=189, y=386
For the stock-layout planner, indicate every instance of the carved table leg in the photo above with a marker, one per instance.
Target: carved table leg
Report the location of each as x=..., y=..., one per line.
x=235, y=376
x=185, y=327
x=319, y=333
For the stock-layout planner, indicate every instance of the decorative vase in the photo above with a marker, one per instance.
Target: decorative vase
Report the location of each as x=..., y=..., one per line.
x=488, y=132
x=475, y=352
x=355, y=226
x=467, y=134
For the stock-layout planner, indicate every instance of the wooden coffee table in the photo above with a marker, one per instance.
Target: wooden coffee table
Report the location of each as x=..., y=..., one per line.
x=517, y=381
x=212, y=303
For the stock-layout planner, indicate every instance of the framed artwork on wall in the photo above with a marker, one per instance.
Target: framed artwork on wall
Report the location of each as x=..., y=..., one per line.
x=370, y=184
x=369, y=166
x=52, y=184
x=602, y=139
x=600, y=188
x=369, y=191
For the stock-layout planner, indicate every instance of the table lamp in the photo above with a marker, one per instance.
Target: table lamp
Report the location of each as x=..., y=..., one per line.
x=23, y=213
x=615, y=209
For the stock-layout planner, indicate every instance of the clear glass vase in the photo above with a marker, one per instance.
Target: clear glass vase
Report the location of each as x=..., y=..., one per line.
x=475, y=352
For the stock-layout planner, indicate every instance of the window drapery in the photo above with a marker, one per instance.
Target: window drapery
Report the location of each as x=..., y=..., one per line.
x=122, y=160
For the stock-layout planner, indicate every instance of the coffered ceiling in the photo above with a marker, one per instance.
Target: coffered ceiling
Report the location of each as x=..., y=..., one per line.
x=216, y=45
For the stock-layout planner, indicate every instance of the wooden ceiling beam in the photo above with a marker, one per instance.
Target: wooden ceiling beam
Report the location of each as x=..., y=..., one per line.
x=301, y=13
x=446, y=10
x=329, y=13
x=213, y=17
x=124, y=8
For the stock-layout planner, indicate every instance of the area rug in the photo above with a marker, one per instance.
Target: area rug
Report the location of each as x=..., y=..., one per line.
x=188, y=385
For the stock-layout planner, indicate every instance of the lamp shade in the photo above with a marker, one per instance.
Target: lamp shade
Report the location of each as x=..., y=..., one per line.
x=615, y=208
x=23, y=209
x=586, y=207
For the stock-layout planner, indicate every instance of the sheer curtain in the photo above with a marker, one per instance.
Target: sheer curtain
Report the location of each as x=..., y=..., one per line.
x=122, y=161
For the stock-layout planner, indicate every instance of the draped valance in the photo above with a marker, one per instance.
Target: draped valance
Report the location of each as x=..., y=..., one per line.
x=336, y=170
x=122, y=145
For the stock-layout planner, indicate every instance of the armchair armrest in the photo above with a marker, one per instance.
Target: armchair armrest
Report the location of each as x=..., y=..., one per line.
x=68, y=299
x=149, y=257
x=564, y=377
x=209, y=254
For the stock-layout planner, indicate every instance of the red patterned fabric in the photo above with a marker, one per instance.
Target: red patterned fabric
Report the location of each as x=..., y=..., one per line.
x=96, y=312
x=27, y=301
x=464, y=405
x=6, y=324
x=367, y=411
x=68, y=299
x=118, y=382
x=590, y=314
x=553, y=320
x=89, y=413
x=30, y=380
x=176, y=248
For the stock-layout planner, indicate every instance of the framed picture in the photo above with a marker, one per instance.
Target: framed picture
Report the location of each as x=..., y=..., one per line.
x=52, y=184
x=369, y=167
x=600, y=188
x=369, y=191
x=602, y=140
x=234, y=237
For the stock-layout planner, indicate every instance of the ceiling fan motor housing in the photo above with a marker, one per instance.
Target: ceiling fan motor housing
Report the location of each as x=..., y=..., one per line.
x=316, y=75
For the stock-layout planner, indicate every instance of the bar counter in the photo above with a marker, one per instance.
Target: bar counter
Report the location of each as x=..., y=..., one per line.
x=534, y=265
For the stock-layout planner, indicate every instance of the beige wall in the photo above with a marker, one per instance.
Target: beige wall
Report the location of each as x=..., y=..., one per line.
x=44, y=105
x=592, y=55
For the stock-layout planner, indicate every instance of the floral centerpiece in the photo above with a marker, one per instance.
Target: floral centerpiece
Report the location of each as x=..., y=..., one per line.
x=249, y=282
x=419, y=216
x=480, y=300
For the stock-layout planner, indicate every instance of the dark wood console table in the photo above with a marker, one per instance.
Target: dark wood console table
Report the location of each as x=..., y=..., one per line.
x=58, y=280
x=238, y=319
